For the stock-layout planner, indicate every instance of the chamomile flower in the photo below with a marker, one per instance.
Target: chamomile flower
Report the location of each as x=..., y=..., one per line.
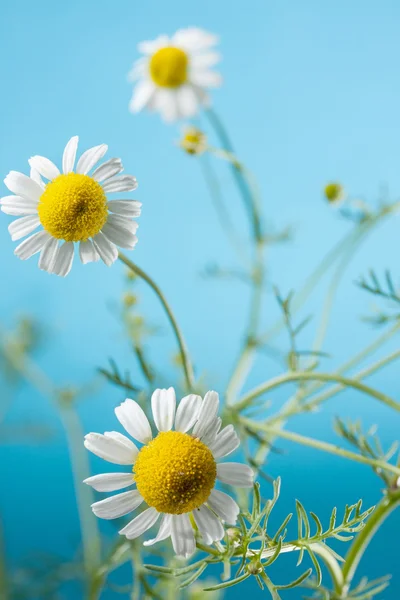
x=174, y=473
x=174, y=73
x=71, y=206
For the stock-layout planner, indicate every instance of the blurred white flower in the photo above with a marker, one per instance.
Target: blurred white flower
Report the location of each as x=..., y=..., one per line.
x=174, y=73
x=71, y=206
x=174, y=473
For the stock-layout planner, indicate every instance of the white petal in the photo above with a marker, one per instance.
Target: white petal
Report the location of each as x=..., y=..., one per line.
x=133, y=419
x=194, y=39
x=119, y=235
x=35, y=175
x=120, y=183
x=110, y=482
x=188, y=101
x=123, y=223
x=87, y=252
x=118, y=505
x=236, y=474
x=226, y=442
x=32, y=245
x=64, y=259
x=188, y=410
x=140, y=524
x=204, y=78
x=68, y=160
x=205, y=60
x=163, y=404
x=90, y=157
x=44, y=166
x=125, y=208
x=24, y=186
x=48, y=255
x=107, y=250
x=139, y=70
x=225, y=506
x=21, y=227
x=207, y=414
x=16, y=206
x=209, y=525
x=108, y=169
x=111, y=448
x=182, y=535
x=165, y=101
x=210, y=433
x=142, y=94
x=151, y=46
x=163, y=533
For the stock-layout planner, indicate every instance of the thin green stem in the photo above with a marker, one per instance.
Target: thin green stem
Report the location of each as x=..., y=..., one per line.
x=307, y=376
x=186, y=362
x=4, y=587
x=389, y=503
x=319, y=445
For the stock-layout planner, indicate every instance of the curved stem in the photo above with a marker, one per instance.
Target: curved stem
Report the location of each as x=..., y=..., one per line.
x=389, y=503
x=307, y=376
x=187, y=365
x=319, y=445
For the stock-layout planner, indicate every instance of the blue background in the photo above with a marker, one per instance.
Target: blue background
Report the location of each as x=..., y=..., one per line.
x=311, y=93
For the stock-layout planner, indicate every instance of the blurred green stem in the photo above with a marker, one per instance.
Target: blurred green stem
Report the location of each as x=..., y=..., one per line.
x=4, y=587
x=186, y=362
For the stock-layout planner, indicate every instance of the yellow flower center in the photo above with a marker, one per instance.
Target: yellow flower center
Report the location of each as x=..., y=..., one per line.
x=333, y=192
x=169, y=67
x=73, y=207
x=175, y=472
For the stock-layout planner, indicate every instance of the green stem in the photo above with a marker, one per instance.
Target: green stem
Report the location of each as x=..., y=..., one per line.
x=186, y=362
x=389, y=503
x=307, y=376
x=4, y=587
x=319, y=445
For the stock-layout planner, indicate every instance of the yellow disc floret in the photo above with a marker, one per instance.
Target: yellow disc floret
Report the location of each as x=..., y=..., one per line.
x=175, y=472
x=73, y=207
x=169, y=67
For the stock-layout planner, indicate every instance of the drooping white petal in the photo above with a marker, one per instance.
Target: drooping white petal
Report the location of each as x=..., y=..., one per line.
x=24, y=186
x=87, y=252
x=163, y=533
x=207, y=414
x=18, y=206
x=64, y=259
x=226, y=442
x=108, y=169
x=206, y=78
x=188, y=101
x=187, y=412
x=142, y=94
x=110, y=482
x=209, y=525
x=236, y=474
x=118, y=505
x=140, y=524
x=48, y=255
x=210, y=433
x=107, y=250
x=111, y=448
x=139, y=69
x=205, y=60
x=133, y=419
x=119, y=235
x=90, y=157
x=68, y=160
x=44, y=166
x=163, y=404
x=21, y=227
x=125, y=208
x=32, y=245
x=120, y=183
x=165, y=101
x=182, y=535
x=225, y=506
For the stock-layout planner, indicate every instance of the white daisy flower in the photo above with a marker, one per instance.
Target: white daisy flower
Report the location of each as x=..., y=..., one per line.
x=174, y=473
x=174, y=73
x=71, y=207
